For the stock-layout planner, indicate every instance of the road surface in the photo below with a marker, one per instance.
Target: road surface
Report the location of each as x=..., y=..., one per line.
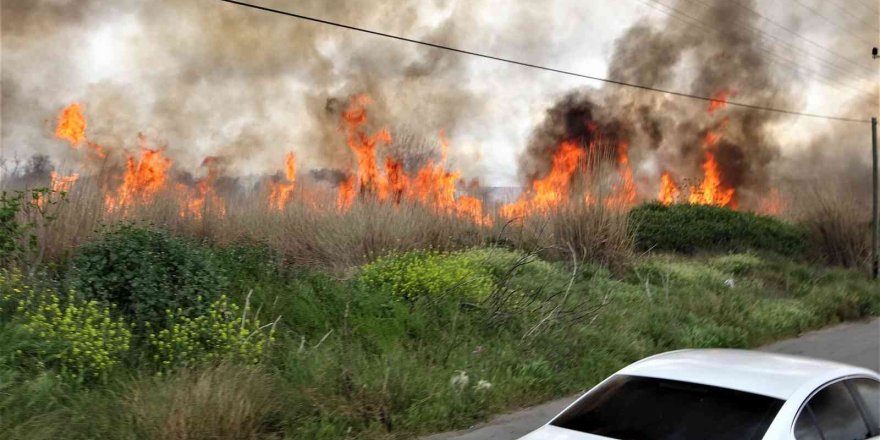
x=853, y=343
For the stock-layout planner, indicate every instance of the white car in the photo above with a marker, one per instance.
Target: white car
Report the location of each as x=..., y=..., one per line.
x=720, y=394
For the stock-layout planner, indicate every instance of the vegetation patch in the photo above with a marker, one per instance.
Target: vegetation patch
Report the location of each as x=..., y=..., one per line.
x=412, y=275
x=693, y=228
x=146, y=272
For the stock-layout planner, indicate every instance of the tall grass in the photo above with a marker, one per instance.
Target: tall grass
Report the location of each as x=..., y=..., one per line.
x=839, y=226
x=225, y=402
x=312, y=232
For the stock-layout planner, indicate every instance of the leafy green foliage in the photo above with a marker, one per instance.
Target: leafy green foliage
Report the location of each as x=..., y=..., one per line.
x=79, y=338
x=692, y=228
x=412, y=275
x=224, y=332
x=22, y=215
x=146, y=272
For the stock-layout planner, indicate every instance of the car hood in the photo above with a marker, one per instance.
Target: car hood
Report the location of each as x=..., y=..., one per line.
x=548, y=432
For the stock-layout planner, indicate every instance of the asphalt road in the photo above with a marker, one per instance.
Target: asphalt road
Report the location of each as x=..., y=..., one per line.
x=853, y=343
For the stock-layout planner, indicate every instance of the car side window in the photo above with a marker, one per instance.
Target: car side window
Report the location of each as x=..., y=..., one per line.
x=805, y=428
x=869, y=392
x=836, y=416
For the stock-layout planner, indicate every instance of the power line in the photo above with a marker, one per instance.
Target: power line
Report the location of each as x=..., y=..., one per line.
x=829, y=21
x=858, y=19
x=678, y=14
x=548, y=69
x=872, y=9
x=797, y=35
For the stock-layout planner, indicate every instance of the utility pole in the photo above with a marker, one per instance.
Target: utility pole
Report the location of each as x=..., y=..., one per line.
x=875, y=226
x=875, y=222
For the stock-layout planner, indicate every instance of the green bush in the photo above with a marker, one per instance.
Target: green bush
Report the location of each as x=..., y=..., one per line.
x=225, y=331
x=412, y=275
x=145, y=272
x=692, y=228
x=78, y=338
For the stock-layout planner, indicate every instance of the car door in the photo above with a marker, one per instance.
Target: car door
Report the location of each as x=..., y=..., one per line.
x=842, y=410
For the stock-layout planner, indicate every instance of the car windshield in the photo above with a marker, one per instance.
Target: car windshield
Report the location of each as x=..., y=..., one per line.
x=644, y=408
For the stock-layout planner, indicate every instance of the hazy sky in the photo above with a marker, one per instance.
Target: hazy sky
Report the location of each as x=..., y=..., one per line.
x=141, y=66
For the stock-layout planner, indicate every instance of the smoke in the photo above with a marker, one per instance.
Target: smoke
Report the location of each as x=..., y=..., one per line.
x=208, y=78
x=205, y=78
x=724, y=58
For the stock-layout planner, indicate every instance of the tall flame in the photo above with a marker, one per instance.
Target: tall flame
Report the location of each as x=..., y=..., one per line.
x=712, y=190
x=550, y=191
x=143, y=177
x=203, y=197
x=432, y=185
x=72, y=125
x=668, y=189
x=347, y=194
x=59, y=184
x=362, y=144
x=72, y=128
x=280, y=193
x=624, y=192
x=719, y=100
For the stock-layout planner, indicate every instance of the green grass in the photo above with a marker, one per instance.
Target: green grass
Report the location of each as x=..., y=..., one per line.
x=355, y=359
x=690, y=228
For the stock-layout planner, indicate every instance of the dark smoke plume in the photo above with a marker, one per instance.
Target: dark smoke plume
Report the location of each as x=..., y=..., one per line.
x=668, y=132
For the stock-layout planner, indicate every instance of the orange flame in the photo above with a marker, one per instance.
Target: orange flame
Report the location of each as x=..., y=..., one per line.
x=553, y=189
x=668, y=189
x=432, y=185
x=625, y=192
x=59, y=184
x=72, y=128
x=346, y=195
x=280, y=193
x=203, y=196
x=712, y=191
x=142, y=179
x=362, y=144
x=72, y=125
x=719, y=100
x=772, y=204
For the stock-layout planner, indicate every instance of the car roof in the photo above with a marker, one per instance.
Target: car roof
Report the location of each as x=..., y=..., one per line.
x=769, y=374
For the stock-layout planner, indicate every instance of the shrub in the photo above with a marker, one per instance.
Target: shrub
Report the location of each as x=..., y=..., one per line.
x=412, y=275
x=146, y=272
x=224, y=331
x=80, y=338
x=692, y=228
x=219, y=403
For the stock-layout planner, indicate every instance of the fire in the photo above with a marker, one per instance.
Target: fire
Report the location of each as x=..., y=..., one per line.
x=58, y=185
x=72, y=128
x=143, y=177
x=203, y=196
x=72, y=125
x=280, y=193
x=362, y=144
x=346, y=195
x=668, y=189
x=719, y=100
x=550, y=191
x=432, y=185
x=625, y=192
x=772, y=204
x=712, y=191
